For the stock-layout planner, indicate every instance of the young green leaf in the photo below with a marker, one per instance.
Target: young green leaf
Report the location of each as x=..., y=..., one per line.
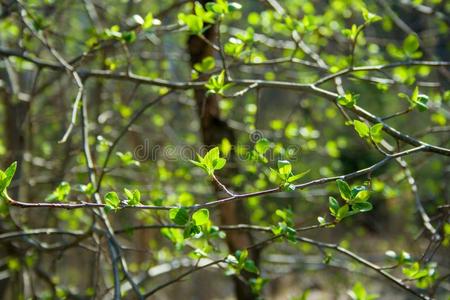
x=134, y=197
x=410, y=44
x=194, y=23
x=60, y=193
x=344, y=190
x=333, y=205
x=376, y=132
x=347, y=100
x=362, y=206
x=250, y=266
x=201, y=217
x=262, y=145
x=370, y=17
x=298, y=176
x=284, y=168
x=179, y=216
x=7, y=176
x=207, y=64
x=361, y=128
x=112, y=201
x=342, y=212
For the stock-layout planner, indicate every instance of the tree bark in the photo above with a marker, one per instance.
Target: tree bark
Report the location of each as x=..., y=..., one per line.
x=214, y=130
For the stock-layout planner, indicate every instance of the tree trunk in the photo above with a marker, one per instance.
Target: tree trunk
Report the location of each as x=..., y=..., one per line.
x=214, y=130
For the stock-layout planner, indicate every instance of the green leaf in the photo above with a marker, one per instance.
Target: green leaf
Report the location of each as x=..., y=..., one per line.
x=342, y=212
x=361, y=128
x=134, y=197
x=112, y=200
x=410, y=44
x=216, y=84
x=191, y=229
x=127, y=158
x=376, y=132
x=201, y=217
x=348, y=100
x=333, y=205
x=207, y=64
x=359, y=291
x=60, y=193
x=344, y=190
x=173, y=235
x=241, y=255
x=250, y=266
x=418, y=100
x=7, y=176
x=211, y=156
x=370, y=17
x=421, y=102
x=362, y=206
x=198, y=164
x=298, y=176
x=262, y=145
x=128, y=193
x=360, y=193
x=194, y=23
x=284, y=168
x=414, y=271
x=88, y=189
x=179, y=216
x=415, y=94
x=219, y=163
x=148, y=21
x=211, y=161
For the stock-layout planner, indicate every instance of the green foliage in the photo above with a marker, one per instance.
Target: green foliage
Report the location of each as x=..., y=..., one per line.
x=410, y=45
x=127, y=158
x=214, y=11
x=375, y=132
x=193, y=22
x=370, y=17
x=207, y=64
x=359, y=292
x=281, y=60
x=362, y=128
x=355, y=198
x=408, y=50
x=423, y=275
x=112, y=201
x=148, y=21
x=133, y=197
x=238, y=262
x=284, y=175
x=257, y=284
x=60, y=193
x=348, y=100
x=416, y=100
x=6, y=177
x=211, y=161
x=216, y=84
x=198, y=223
x=259, y=150
x=87, y=189
x=179, y=216
x=201, y=217
x=285, y=226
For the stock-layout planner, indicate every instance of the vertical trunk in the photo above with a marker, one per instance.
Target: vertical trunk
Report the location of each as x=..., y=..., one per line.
x=214, y=130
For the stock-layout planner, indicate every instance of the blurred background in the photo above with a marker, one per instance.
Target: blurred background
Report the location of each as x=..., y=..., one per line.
x=37, y=97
